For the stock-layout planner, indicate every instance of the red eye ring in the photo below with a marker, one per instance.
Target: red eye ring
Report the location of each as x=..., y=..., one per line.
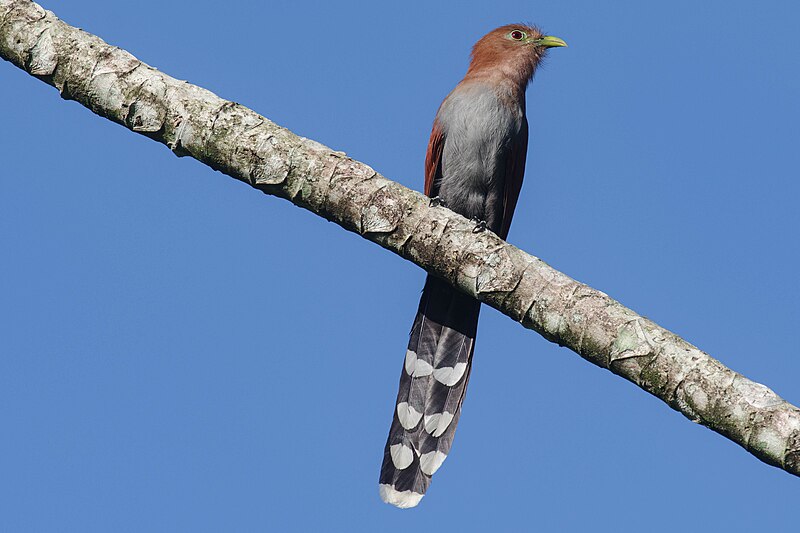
x=517, y=35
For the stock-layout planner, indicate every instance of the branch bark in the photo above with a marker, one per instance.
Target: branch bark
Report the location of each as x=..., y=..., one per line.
x=235, y=140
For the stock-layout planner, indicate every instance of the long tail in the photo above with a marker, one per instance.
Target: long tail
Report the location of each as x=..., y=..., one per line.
x=432, y=387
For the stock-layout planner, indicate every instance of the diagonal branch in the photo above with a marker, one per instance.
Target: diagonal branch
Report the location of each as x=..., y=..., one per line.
x=230, y=138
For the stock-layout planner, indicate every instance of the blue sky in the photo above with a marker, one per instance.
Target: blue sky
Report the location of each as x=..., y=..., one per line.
x=179, y=352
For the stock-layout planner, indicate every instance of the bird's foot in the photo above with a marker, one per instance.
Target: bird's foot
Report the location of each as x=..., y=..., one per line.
x=480, y=225
x=437, y=201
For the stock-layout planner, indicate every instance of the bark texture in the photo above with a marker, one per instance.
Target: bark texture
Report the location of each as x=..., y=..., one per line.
x=235, y=140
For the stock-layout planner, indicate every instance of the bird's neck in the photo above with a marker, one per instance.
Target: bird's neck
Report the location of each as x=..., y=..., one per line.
x=508, y=90
x=508, y=78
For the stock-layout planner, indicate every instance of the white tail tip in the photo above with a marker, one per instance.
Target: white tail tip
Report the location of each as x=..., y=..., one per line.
x=403, y=500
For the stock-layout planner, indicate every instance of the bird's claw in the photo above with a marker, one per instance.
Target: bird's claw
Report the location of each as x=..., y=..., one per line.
x=480, y=226
x=437, y=201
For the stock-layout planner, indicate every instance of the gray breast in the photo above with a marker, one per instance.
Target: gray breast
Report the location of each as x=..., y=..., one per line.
x=478, y=132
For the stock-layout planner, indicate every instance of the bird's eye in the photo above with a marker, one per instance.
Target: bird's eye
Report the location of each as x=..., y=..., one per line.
x=517, y=35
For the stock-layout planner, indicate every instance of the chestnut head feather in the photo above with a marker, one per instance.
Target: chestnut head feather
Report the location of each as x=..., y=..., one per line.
x=510, y=53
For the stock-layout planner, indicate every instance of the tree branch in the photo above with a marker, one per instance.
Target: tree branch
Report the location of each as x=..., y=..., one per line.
x=230, y=138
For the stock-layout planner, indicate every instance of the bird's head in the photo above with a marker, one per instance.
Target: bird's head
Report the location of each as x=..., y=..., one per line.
x=514, y=49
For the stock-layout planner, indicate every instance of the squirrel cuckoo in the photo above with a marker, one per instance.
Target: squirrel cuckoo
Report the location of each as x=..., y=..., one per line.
x=474, y=166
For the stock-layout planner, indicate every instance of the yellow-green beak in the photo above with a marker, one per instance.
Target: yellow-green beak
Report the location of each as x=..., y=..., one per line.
x=548, y=41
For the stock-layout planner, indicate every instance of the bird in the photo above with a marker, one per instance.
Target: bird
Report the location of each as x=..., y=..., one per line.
x=474, y=165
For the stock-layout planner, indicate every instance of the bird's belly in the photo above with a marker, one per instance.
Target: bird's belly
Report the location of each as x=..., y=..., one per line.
x=473, y=175
x=479, y=130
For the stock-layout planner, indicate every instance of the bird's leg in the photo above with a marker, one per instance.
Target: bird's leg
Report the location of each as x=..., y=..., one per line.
x=480, y=225
x=437, y=201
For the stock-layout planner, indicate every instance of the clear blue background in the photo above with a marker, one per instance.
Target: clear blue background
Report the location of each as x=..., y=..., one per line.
x=179, y=352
